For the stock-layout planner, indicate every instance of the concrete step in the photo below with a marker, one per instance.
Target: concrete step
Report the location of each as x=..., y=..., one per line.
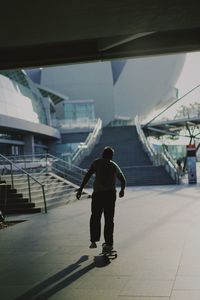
x=5, y=187
x=11, y=195
x=147, y=176
x=19, y=211
x=37, y=196
x=57, y=192
x=129, y=153
x=48, y=190
x=64, y=200
x=12, y=200
x=17, y=205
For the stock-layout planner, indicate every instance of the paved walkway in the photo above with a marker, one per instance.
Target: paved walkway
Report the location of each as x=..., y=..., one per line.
x=157, y=236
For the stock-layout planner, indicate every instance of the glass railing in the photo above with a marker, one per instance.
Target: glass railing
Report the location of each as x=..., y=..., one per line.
x=85, y=148
x=158, y=159
x=80, y=123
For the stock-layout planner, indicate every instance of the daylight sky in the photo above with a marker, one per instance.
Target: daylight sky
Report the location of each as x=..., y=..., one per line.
x=190, y=76
x=188, y=80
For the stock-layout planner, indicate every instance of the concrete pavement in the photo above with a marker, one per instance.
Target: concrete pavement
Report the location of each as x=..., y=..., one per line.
x=156, y=236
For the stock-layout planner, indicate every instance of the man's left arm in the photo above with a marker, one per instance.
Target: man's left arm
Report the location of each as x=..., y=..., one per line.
x=122, y=180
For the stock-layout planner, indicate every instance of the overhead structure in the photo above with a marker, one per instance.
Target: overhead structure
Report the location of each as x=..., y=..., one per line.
x=174, y=127
x=50, y=33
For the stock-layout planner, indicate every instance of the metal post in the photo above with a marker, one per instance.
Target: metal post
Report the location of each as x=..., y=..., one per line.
x=45, y=204
x=25, y=162
x=29, y=187
x=46, y=160
x=11, y=173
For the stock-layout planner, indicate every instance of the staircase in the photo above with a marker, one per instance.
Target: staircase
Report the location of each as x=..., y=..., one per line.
x=130, y=156
x=58, y=191
x=13, y=202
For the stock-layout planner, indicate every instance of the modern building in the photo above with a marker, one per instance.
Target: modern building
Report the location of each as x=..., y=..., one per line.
x=54, y=108
x=121, y=88
x=25, y=115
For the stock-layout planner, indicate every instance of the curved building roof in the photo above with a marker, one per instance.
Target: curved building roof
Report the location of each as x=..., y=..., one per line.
x=119, y=88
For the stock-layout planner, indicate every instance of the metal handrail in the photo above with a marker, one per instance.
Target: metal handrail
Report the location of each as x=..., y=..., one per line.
x=77, y=156
x=23, y=160
x=147, y=146
x=51, y=163
x=69, y=165
x=41, y=160
x=2, y=212
x=158, y=159
x=170, y=165
x=28, y=178
x=66, y=166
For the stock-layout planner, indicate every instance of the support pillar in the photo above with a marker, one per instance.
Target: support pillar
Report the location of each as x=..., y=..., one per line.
x=29, y=148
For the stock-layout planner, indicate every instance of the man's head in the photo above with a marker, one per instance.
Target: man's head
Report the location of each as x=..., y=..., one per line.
x=108, y=153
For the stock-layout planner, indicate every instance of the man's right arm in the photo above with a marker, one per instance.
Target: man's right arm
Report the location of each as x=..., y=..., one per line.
x=85, y=181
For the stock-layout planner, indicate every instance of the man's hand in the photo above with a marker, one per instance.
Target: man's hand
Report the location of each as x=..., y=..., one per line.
x=78, y=194
x=121, y=194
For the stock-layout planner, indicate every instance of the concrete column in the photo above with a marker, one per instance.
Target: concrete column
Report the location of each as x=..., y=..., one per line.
x=51, y=147
x=29, y=145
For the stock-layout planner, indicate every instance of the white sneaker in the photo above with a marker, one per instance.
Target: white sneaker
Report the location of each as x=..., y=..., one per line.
x=107, y=248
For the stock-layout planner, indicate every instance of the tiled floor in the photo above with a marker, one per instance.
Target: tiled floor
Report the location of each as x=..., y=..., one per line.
x=156, y=235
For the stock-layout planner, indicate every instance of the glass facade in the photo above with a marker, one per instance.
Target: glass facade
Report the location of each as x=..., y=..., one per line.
x=11, y=136
x=66, y=148
x=7, y=149
x=21, y=99
x=77, y=111
x=11, y=143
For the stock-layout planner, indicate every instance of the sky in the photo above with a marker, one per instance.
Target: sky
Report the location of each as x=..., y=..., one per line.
x=188, y=80
x=188, y=83
x=190, y=75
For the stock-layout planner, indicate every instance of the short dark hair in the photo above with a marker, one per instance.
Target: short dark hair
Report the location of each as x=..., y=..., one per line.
x=108, y=152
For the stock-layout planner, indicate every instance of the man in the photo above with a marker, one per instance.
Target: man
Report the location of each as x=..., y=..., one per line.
x=104, y=196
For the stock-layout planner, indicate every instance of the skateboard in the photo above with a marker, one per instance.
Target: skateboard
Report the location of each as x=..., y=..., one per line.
x=105, y=258
x=109, y=254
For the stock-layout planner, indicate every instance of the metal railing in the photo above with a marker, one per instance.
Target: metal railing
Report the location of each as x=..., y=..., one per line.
x=171, y=166
x=7, y=165
x=66, y=170
x=158, y=159
x=4, y=204
x=146, y=145
x=41, y=163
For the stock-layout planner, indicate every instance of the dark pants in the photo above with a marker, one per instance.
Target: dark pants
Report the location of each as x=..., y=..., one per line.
x=102, y=202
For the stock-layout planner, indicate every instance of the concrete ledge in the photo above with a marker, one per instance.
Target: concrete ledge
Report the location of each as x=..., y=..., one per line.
x=26, y=126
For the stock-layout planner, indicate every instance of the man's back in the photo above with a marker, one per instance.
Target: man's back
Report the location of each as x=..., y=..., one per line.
x=106, y=172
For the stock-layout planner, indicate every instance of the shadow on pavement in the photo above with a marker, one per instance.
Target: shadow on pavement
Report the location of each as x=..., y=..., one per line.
x=100, y=261
x=57, y=282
